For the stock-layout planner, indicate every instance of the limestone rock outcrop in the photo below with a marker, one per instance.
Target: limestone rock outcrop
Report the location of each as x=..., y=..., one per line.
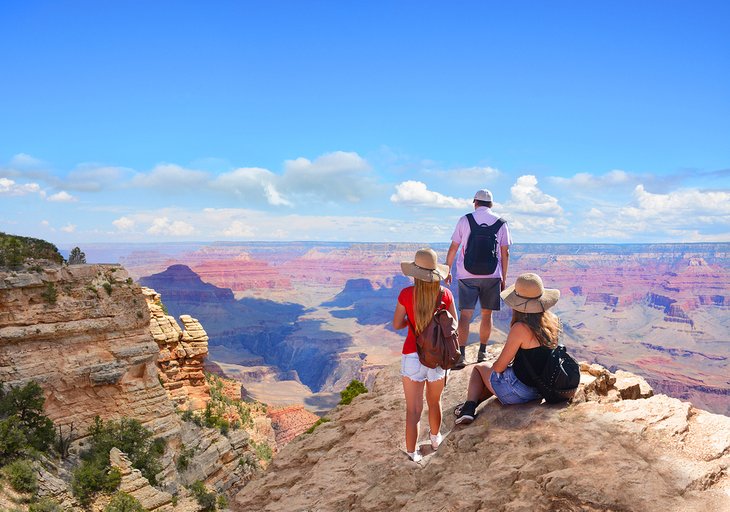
x=289, y=422
x=182, y=354
x=82, y=332
x=653, y=454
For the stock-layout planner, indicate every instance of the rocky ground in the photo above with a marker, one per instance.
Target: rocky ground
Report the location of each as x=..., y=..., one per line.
x=605, y=453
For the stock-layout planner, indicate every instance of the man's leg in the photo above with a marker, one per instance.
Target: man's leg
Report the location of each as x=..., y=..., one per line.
x=465, y=316
x=485, y=330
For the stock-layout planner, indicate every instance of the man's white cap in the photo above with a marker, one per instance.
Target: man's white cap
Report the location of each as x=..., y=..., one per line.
x=483, y=195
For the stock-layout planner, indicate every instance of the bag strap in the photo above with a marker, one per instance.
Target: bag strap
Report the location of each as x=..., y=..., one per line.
x=438, y=306
x=473, y=226
x=472, y=222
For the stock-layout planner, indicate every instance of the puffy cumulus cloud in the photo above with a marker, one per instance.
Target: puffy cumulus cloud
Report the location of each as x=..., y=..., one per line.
x=682, y=215
x=164, y=227
x=123, y=224
x=416, y=193
x=238, y=229
x=252, y=184
x=69, y=228
x=61, y=197
x=527, y=198
x=584, y=180
x=170, y=176
x=9, y=187
x=333, y=177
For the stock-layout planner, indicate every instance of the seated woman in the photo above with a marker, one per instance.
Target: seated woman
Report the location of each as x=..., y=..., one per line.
x=533, y=334
x=415, y=308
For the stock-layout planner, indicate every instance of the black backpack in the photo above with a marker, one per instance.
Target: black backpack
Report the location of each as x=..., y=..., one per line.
x=559, y=380
x=482, y=250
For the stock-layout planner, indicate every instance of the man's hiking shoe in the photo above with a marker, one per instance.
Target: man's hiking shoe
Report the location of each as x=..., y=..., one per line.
x=461, y=363
x=466, y=414
x=436, y=440
x=415, y=456
x=481, y=357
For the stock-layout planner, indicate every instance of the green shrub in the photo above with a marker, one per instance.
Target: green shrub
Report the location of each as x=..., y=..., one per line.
x=316, y=424
x=184, y=457
x=92, y=477
x=123, y=502
x=204, y=497
x=45, y=505
x=262, y=449
x=16, y=249
x=21, y=476
x=95, y=473
x=222, y=502
x=107, y=287
x=354, y=388
x=23, y=426
x=249, y=465
x=130, y=281
x=50, y=294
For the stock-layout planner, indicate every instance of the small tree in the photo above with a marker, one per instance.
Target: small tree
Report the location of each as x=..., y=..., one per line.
x=22, y=422
x=123, y=502
x=354, y=388
x=76, y=257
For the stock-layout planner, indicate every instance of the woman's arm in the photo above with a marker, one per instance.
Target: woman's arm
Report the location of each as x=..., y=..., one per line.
x=399, y=317
x=452, y=310
x=517, y=334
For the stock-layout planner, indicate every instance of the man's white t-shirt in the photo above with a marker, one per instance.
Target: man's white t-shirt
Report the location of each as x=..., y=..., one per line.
x=482, y=215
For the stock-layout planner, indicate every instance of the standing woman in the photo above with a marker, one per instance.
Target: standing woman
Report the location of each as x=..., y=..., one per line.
x=416, y=305
x=533, y=333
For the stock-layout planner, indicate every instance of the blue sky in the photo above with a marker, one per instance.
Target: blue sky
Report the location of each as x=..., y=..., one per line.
x=368, y=121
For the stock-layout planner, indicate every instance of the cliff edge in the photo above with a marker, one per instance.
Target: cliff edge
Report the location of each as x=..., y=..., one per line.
x=605, y=453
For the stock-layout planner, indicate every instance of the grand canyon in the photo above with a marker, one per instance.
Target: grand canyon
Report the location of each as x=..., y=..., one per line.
x=294, y=322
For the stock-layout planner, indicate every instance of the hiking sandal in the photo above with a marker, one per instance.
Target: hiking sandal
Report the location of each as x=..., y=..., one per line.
x=457, y=409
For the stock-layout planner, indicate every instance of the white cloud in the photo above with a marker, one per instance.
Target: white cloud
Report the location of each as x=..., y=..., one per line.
x=25, y=160
x=171, y=177
x=273, y=196
x=123, y=224
x=238, y=229
x=62, y=197
x=93, y=177
x=416, y=193
x=176, y=228
x=11, y=188
x=333, y=176
x=251, y=184
x=45, y=223
x=69, y=228
x=584, y=180
x=527, y=198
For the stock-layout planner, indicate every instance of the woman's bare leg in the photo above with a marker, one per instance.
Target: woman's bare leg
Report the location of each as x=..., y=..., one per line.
x=479, y=386
x=433, y=399
x=414, y=407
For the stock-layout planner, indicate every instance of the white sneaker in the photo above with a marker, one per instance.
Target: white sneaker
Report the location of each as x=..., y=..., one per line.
x=415, y=456
x=436, y=440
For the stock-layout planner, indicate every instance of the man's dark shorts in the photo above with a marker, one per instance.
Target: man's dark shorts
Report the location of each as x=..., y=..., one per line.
x=485, y=289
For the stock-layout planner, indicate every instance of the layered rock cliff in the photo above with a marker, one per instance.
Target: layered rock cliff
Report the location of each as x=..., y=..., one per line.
x=605, y=452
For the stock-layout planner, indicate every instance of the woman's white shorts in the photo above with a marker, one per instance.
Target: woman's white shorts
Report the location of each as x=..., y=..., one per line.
x=412, y=368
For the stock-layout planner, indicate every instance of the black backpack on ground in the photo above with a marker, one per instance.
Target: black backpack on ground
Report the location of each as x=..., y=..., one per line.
x=482, y=250
x=559, y=380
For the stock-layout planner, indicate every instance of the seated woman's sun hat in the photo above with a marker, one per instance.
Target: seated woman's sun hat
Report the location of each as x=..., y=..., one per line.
x=425, y=266
x=528, y=295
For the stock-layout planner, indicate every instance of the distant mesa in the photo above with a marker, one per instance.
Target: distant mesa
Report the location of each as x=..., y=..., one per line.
x=179, y=282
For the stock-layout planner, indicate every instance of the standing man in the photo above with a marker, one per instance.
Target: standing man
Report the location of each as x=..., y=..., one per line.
x=481, y=268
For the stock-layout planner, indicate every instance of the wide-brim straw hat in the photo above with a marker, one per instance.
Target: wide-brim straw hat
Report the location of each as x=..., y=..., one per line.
x=528, y=295
x=425, y=267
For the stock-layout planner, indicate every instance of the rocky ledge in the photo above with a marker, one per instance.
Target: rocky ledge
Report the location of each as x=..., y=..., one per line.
x=605, y=452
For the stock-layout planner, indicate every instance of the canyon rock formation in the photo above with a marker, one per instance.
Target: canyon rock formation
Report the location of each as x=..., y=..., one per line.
x=604, y=453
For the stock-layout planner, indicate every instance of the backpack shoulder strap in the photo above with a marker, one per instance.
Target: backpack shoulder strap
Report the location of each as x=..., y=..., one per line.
x=472, y=222
x=497, y=225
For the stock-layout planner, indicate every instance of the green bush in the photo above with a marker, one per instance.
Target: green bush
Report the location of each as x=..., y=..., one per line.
x=107, y=287
x=21, y=476
x=249, y=465
x=262, y=449
x=76, y=257
x=204, y=497
x=316, y=424
x=50, y=294
x=45, y=505
x=95, y=473
x=23, y=426
x=123, y=502
x=222, y=502
x=16, y=249
x=354, y=388
x=184, y=456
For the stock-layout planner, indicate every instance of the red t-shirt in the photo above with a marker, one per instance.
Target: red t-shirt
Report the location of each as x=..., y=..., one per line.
x=406, y=300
